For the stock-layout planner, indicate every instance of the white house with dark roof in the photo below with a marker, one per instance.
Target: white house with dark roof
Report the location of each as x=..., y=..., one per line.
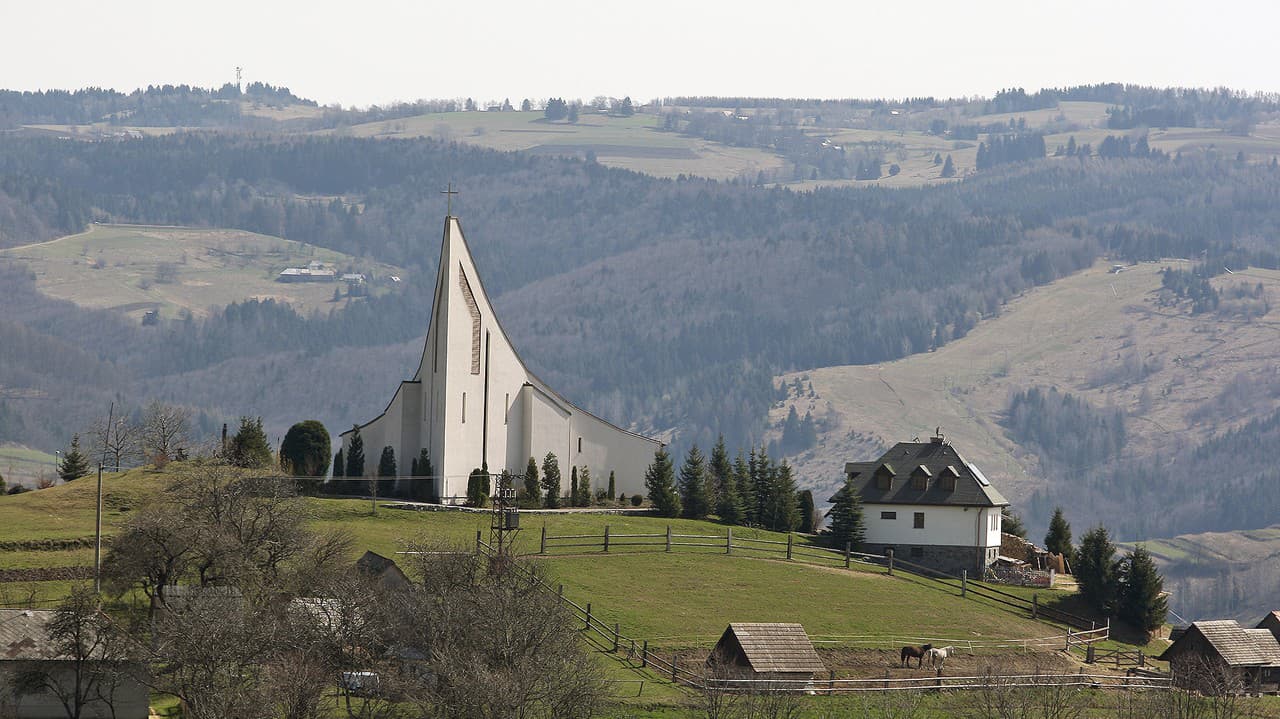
x=930, y=506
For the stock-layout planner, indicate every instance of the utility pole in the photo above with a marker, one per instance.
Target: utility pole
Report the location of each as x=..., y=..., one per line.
x=97, y=539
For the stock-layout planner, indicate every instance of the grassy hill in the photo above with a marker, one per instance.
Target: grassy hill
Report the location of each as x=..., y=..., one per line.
x=135, y=268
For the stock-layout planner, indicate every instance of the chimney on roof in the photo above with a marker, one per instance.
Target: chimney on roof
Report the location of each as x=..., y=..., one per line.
x=937, y=436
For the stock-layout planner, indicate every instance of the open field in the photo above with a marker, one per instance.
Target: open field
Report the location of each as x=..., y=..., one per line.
x=632, y=143
x=1073, y=334
x=135, y=268
x=19, y=464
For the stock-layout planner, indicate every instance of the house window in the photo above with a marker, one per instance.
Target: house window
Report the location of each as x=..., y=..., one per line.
x=888, y=515
x=920, y=482
x=917, y=552
x=995, y=523
x=948, y=483
x=919, y=520
x=464, y=407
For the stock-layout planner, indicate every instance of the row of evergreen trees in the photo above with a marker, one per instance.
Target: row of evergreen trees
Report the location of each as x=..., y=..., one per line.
x=1129, y=587
x=751, y=490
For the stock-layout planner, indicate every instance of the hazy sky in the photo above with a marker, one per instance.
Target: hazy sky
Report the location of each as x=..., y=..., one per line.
x=361, y=53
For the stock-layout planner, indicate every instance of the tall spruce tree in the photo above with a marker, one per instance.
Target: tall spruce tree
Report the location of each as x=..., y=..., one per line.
x=1142, y=603
x=424, y=484
x=1097, y=571
x=584, y=487
x=806, y=510
x=74, y=464
x=613, y=488
x=660, y=484
x=532, y=489
x=339, y=464
x=355, y=453
x=478, y=487
x=1058, y=538
x=551, y=480
x=719, y=474
x=844, y=520
x=387, y=471
x=782, y=510
x=746, y=497
x=573, y=486
x=730, y=508
x=693, y=485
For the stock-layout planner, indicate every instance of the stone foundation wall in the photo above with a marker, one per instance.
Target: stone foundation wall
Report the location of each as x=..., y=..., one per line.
x=943, y=558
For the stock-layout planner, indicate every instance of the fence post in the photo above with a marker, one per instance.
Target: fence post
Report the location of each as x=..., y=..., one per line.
x=1089, y=655
x=728, y=540
x=1068, y=647
x=888, y=553
x=644, y=654
x=615, y=637
x=668, y=537
x=789, y=540
x=606, y=539
x=674, y=658
x=1142, y=658
x=964, y=583
x=1035, y=605
x=588, y=615
x=542, y=549
x=560, y=592
x=477, y=541
x=847, y=546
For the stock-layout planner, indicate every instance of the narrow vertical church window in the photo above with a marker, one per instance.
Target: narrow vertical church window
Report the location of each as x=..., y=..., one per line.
x=474, y=311
x=464, y=407
x=506, y=411
x=579, y=444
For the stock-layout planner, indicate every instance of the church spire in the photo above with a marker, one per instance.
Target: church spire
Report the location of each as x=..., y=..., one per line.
x=450, y=192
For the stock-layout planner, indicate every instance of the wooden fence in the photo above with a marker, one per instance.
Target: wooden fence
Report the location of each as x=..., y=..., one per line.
x=825, y=556
x=638, y=654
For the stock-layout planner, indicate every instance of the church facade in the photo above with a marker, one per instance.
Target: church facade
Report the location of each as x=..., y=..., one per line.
x=473, y=402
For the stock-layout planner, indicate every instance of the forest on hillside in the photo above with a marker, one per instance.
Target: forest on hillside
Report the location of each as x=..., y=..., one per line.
x=668, y=305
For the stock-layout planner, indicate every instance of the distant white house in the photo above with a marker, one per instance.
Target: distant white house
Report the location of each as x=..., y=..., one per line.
x=930, y=506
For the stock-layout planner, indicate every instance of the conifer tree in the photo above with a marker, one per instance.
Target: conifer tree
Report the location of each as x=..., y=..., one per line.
x=1011, y=523
x=249, y=446
x=573, y=487
x=387, y=471
x=339, y=466
x=1058, y=538
x=844, y=519
x=424, y=488
x=355, y=454
x=1141, y=602
x=746, y=497
x=693, y=486
x=719, y=474
x=660, y=484
x=1097, y=571
x=730, y=508
x=584, y=487
x=532, y=490
x=551, y=480
x=782, y=511
x=948, y=168
x=74, y=464
x=806, y=512
x=612, y=487
x=478, y=486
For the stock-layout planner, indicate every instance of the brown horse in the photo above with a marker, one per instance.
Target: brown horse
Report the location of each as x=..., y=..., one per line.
x=917, y=653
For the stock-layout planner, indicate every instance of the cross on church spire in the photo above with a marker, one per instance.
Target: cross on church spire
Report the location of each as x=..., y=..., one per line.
x=449, y=193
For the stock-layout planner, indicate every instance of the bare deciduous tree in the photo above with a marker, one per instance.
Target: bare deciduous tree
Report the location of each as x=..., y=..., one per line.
x=117, y=442
x=165, y=432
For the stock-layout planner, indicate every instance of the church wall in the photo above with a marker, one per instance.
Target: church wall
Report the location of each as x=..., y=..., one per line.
x=603, y=447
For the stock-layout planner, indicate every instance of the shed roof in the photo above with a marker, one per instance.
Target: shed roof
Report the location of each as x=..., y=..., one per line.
x=972, y=488
x=1237, y=646
x=774, y=646
x=22, y=634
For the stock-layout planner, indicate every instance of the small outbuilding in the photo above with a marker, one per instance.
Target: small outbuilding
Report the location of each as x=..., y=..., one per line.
x=1223, y=652
x=770, y=650
x=383, y=570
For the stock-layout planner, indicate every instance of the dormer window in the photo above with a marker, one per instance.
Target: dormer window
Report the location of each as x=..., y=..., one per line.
x=884, y=477
x=947, y=478
x=920, y=478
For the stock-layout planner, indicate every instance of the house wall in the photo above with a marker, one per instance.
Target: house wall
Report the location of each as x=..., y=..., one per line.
x=949, y=526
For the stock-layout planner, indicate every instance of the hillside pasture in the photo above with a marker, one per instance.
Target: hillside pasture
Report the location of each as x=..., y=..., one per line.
x=633, y=143
x=23, y=465
x=136, y=268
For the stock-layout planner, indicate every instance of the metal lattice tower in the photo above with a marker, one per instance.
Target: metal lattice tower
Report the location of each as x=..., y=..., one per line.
x=505, y=518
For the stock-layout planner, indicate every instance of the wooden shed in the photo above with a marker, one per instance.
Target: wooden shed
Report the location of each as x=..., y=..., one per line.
x=770, y=650
x=1248, y=658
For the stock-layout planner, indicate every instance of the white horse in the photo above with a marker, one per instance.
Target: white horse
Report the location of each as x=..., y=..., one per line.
x=938, y=656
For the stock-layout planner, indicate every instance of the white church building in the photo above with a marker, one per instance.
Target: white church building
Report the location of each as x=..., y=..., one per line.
x=473, y=402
